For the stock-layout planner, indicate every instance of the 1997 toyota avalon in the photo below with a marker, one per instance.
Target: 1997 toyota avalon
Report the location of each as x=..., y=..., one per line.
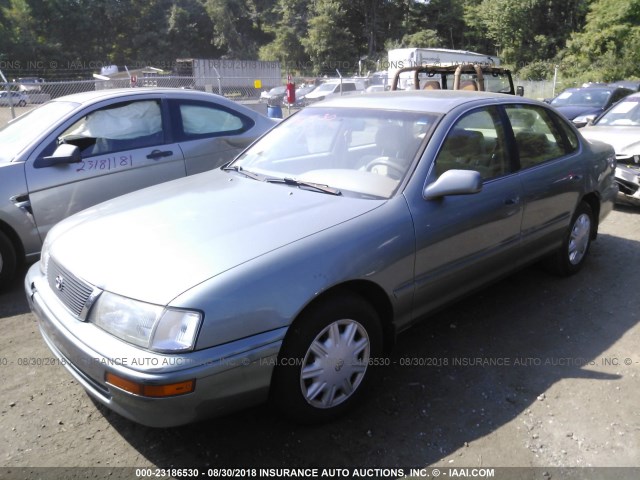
x=285, y=273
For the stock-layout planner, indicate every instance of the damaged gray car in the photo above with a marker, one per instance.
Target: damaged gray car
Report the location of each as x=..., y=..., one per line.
x=620, y=127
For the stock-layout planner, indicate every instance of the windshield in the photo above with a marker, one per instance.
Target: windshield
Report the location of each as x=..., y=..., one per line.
x=627, y=112
x=326, y=87
x=17, y=135
x=356, y=151
x=587, y=97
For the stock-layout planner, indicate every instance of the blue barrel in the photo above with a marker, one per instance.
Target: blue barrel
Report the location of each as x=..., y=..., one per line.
x=274, y=111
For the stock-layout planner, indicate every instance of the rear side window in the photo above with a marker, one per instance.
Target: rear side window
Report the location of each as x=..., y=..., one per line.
x=202, y=119
x=539, y=137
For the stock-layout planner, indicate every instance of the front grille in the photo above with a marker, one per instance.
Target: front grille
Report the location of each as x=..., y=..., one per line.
x=72, y=292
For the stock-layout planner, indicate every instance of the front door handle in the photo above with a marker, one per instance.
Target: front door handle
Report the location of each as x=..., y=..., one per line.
x=156, y=154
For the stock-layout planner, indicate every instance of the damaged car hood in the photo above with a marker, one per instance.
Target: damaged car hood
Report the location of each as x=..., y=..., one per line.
x=624, y=140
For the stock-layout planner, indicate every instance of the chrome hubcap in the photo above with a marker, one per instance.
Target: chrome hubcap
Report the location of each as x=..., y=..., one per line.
x=335, y=364
x=579, y=239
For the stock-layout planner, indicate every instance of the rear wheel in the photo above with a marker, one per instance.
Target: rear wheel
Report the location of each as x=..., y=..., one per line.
x=8, y=260
x=324, y=363
x=570, y=258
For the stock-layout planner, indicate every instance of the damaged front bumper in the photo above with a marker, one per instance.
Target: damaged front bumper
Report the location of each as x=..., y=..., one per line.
x=628, y=179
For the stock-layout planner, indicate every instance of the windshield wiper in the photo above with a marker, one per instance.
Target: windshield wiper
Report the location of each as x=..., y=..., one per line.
x=298, y=183
x=239, y=169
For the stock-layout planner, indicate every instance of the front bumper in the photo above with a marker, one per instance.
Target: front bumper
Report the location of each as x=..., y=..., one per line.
x=227, y=377
x=628, y=179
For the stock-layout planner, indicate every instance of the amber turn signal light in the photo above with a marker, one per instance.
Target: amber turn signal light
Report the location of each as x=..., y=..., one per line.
x=156, y=391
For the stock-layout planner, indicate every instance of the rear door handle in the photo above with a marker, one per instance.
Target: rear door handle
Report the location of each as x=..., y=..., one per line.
x=156, y=154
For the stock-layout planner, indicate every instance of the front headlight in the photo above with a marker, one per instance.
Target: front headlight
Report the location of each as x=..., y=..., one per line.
x=146, y=325
x=584, y=119
x=45, y=255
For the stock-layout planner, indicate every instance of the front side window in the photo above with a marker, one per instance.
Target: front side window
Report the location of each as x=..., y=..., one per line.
x=123, y=126
x=475, y=142
x=538, y=137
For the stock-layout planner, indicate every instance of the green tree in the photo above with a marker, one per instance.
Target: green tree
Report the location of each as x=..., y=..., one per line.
x=505, y=22
x=608, y=48
x=237, y=27
x=329, y=42
x=423, y=39
x=288, y=29
x=190, y=30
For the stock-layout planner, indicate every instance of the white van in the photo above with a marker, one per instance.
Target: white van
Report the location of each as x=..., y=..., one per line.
x=334, y=88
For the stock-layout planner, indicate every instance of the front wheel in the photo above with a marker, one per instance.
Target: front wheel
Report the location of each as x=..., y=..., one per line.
x=324, y=363
x=570, y=258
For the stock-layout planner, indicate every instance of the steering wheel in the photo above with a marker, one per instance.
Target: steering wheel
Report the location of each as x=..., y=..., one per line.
x=394, y=169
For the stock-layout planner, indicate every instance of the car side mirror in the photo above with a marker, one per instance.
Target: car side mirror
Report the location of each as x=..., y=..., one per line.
x=520, y=91
x=454, y=182
x=64, y=154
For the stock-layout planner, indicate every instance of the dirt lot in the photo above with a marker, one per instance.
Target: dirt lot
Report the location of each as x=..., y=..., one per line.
x=535, y=371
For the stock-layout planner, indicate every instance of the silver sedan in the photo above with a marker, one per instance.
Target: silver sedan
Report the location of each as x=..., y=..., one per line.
x=80, y=150
x=286, y=274
x=620, y=127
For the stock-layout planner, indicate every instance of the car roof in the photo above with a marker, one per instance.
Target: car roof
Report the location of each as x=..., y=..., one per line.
x=602, y=88
x=94, y=95
x=435, y=101
x=633, y=95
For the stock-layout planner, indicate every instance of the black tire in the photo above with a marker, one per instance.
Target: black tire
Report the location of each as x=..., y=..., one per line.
x=571, y=256
x=332, y=382
x=8, y=260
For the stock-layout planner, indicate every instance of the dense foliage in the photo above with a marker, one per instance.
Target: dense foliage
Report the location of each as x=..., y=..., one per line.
x=596, y=40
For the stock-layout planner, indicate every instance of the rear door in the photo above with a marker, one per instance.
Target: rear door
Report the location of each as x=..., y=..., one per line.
x=209, y=134
x=551, y=172
x=125, y=145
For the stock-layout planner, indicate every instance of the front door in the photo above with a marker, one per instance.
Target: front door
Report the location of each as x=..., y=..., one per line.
x=125, y=146
x=462, y=241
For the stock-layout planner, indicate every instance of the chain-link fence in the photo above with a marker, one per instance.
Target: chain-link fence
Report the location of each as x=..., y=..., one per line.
x=539, y=90
x=19, y=97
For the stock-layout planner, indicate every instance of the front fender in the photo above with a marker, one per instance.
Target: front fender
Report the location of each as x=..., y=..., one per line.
x=270, y=291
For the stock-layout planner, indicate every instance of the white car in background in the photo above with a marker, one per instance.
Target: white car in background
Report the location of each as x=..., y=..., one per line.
x=620, y=127
x=334, y=88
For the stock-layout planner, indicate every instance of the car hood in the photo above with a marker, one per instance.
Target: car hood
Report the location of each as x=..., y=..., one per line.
x=624, y=140
x=572, y=112
x=155, y=244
